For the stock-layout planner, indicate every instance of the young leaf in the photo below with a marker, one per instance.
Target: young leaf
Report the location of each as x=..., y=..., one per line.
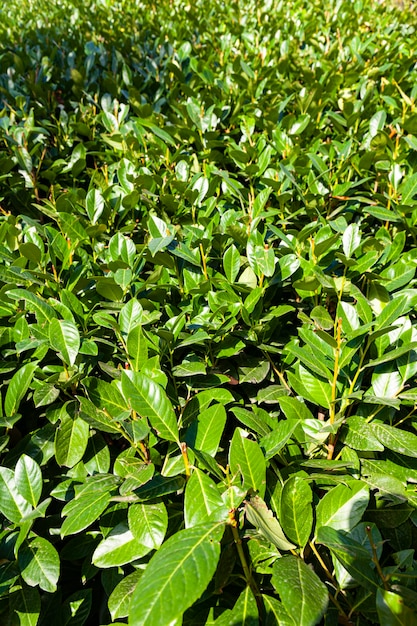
x=244, y=612
x=301, y=591
x=392, y=611
x=176, y=575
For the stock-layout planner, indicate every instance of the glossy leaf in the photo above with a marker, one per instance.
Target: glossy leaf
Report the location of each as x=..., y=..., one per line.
x=301, y=591
x=202, y=501
x=176, y=575
x=246, y=459
x=296, y=511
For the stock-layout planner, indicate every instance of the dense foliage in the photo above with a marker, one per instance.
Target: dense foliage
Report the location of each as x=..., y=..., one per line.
x=208, y=331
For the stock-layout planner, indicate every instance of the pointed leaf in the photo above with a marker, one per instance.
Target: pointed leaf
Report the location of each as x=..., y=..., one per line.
x=244, y=612
x=343, y=506
x=39, y=564
x=28, y=478
x=246, y=458
x=396, y=439
x=71, y=440
x=83, y=511
x=65, y=338
x=12, y=504
x=176, y=576
x=121, y=596
x=392, y=611
x=202, y=501
x=301, y=591
x=296, y=511
x=18, y=387
x=206, y=431
x=148, y=523
x=151, y=401
x=118, y=548
x=263, y=519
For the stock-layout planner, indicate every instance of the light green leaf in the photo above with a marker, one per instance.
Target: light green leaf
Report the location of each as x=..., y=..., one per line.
x=176, y=576
x=263, y=519
x=360, y=435
x=18, y=387
x=151, y=401
x=107, y=397
x=202, y=501
x=137, y=347
x=301, y=591
x=392, y=611
x=121, y=596
x=231, y=263
x=296, y=511
x=206, y=431
x=12, y=504
x=71, y=440
x=148, y=523
x=28, y=479
x=396, y=439
x=65, y=338
x=43, y=311
x=274, y=441
x=118, y=548
x=311, y=387
x=246, y=458
x=351, y=239
x=343, y=506
x=83, y=511
x=39, y=564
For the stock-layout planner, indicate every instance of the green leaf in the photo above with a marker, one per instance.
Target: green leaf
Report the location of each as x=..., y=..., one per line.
x=43, y=311
x=12, y=504
x=351, y=554
x=137, y=347
x=18, y=387
x=28, y=479
x=202, y=501
x=231, y=263
x=275, y=613
x=246, y=458
x=313, y=388
x=121, y=596
x=39, y=564
x=263, y=519
x=396, y=439
x=360, y=435
x=296, y=511
x=176, y=576
x=206, y=431
x=71, y=440
x=343, y=506
x=25, y=603
x=107, y=397
x=351, y=240
x=392, y=611
x=83, y=511
x=301, y=591
x=148, y=523
x=244, y=612
x=65, y=338
x=118, y=548
x=274, y=441
x=149, y=400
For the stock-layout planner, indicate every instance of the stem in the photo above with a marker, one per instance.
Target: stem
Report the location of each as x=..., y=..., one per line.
x=375, y=557
x=276, y=370
x=203, y=260
x=183, y=448
x=248, y=575
x=332, y=412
